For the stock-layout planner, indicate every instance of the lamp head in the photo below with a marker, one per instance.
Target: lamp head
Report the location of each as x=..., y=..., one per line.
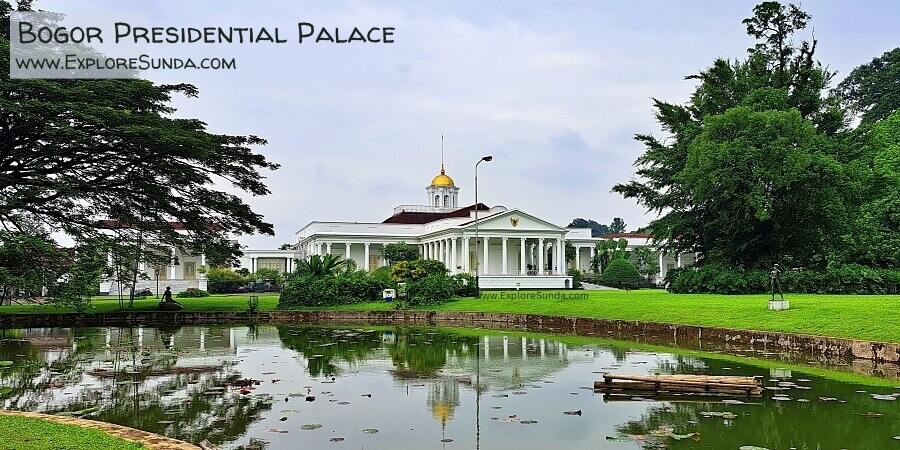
x=487, y=158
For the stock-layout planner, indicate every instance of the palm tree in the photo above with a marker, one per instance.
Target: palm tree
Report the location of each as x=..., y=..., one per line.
x=320, y=266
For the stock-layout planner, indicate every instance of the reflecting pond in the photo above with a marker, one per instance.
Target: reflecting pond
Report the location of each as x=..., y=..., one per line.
x=383, y=388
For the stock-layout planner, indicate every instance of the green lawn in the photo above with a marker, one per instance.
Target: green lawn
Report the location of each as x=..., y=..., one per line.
x=851, y=316
x=870, y=317
x=25, y=433
x=234, y=302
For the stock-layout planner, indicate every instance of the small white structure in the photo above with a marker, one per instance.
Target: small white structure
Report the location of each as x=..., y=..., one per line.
x=779, y=305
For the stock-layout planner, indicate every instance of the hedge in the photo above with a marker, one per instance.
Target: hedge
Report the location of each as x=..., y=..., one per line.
x=843, y=279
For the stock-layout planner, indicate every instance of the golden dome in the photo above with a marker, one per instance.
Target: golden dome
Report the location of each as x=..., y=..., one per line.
x=442, y=179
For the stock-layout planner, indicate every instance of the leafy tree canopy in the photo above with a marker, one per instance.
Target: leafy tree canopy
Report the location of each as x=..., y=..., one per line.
x=74, y=152
x=873, y=89
x=756, y=139
x=597, y=229
x=617, y=226
x=401, y=251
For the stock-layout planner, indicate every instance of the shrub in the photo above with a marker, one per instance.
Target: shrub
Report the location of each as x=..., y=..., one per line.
x=192, y=293
x=224, y=281
x=405, y=271
x=273, y=275
x=431, y=289
x=590, y=277
x=382, y=278
x=620, y=273
x=577, y=276
x=844, y=279
x=464, y=285
x=306, y=290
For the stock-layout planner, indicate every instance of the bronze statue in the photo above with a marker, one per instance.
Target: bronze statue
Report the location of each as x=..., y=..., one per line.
x=774, y=274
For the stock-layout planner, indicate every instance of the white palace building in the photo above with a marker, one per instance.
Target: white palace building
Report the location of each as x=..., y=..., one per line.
x=516, y=250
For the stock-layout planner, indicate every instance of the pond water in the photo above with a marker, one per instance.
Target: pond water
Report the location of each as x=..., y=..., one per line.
x=384, y=388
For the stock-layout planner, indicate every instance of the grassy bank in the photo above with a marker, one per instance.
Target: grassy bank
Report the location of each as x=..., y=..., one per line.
x=847, y=316
x=858, y=317
x=26, y=433
x=235, y=302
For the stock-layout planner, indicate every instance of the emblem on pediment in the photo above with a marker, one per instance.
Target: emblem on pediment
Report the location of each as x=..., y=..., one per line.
x=514, y=221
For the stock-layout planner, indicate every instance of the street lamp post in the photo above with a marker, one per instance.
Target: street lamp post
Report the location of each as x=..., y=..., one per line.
x=477, y=260
x=156, y=270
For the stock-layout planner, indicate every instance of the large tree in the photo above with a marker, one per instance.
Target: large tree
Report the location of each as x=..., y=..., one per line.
x=719, y=159
x=873, y=89
x=875, y=240
x=597, y=229
x=75, y=152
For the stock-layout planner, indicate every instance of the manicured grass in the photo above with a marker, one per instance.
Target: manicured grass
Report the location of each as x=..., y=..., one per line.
x=869, y=317
x=233, y=302
x=25, y=433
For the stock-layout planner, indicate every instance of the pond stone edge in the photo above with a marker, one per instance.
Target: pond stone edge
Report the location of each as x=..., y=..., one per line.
x=682, y=336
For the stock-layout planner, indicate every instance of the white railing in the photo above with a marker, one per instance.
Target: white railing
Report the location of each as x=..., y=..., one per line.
x=424, y=208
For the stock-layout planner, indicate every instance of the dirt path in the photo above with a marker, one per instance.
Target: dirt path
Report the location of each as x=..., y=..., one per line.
x=150, y=440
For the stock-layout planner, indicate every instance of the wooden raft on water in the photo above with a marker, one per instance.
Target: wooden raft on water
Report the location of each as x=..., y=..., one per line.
x=692, y=384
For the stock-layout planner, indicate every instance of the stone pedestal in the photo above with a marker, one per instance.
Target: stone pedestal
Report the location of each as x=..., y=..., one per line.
x=779, y=305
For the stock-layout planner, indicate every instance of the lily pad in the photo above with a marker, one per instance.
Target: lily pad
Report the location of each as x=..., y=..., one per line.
x=6, y=363
x=695, y=436
x=370, y=431
x=310, y=426
x=336, y=439
x=751, y=447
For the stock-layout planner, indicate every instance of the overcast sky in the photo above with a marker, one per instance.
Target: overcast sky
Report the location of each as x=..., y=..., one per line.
x=555, y=91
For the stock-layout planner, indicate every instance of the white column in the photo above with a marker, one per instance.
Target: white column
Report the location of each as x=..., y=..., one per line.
x=522, y=257
x=347, y=251
x=505, y=268
x=328, y=248
x=561, y=257
x=680, y=263
x=541, y=251
x=593, y=248
x=486, y=260
x=453, y=256
x=447, y=252
x=366, y=257
x=578, y=257
x=662, y=266
x=172, y=263
x=465, y=254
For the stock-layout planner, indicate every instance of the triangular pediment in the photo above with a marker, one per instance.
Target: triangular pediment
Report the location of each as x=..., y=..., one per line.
x=513, y=220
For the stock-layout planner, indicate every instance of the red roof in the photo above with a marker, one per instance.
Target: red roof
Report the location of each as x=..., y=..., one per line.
x=418, y=218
